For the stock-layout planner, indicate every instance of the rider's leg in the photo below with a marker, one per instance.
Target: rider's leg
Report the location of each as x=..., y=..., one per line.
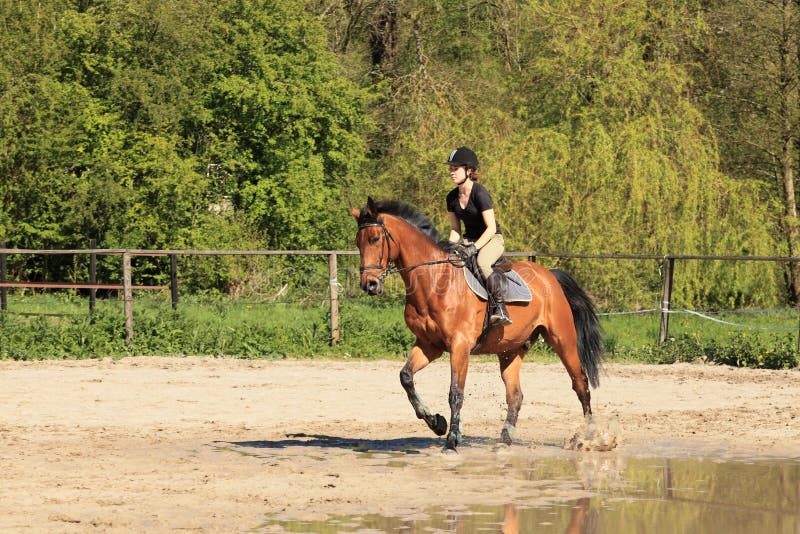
x=487, y=255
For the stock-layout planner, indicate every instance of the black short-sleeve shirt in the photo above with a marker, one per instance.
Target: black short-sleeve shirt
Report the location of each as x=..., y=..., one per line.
x=479, y=201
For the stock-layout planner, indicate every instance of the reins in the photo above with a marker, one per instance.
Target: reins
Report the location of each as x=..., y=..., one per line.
x=452, y=259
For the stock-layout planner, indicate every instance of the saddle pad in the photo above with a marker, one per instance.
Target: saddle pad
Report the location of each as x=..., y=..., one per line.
x=516, y=288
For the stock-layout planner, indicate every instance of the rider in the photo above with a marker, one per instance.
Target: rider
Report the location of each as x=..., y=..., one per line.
x=471, y=203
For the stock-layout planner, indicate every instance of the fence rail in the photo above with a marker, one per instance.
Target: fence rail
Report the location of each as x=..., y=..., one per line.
x=127, y=287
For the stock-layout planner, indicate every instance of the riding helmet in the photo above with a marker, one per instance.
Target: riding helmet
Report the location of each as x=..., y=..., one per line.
x=463, y=156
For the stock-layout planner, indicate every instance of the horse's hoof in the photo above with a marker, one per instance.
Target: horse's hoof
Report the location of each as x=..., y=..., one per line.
x=506, y=437
x=439, y=425
x=452, y=442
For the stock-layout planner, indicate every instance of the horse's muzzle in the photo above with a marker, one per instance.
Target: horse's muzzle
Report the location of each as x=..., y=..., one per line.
x=372, y=285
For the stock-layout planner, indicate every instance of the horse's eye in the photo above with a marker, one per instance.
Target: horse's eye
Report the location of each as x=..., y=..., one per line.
x=373, y=240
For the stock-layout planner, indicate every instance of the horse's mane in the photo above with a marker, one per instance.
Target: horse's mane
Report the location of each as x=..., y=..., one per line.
x=409, y=214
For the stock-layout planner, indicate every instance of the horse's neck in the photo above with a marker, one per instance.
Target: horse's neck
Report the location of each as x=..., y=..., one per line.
x=414, y=247
x=414, y=250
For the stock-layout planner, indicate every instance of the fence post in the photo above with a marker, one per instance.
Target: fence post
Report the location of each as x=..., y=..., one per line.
x=3, y=290
x=173, y=279
x=798, y=330
x=92, y=275
x=668, y=267
x=333, y=282
x=127, y=292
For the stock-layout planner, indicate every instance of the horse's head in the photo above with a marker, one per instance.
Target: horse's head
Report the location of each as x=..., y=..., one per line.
x=374, y=244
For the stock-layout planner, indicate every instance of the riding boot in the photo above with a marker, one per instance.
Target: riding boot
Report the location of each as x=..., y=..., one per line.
x=495, y=285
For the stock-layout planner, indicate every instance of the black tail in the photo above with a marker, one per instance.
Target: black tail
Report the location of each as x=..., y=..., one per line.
x=586, y=325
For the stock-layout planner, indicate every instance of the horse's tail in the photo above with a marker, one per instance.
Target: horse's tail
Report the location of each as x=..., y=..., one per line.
x=586, y=325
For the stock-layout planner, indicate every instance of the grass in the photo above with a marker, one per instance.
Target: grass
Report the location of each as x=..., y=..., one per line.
x=369, y=328
x=643, y=329
x=747, y=338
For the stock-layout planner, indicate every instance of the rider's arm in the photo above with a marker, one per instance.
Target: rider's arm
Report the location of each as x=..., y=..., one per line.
x=455, y=227
x=491, y=228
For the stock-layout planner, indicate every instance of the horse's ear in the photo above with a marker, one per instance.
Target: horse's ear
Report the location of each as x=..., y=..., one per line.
x=372, y=211
x=354, y=212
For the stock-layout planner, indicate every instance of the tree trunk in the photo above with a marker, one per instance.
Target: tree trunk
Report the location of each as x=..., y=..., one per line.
x=790, y=217
x=789, y=109
x=383, y=36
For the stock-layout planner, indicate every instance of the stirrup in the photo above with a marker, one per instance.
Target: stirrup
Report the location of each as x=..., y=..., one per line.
x=499, y=317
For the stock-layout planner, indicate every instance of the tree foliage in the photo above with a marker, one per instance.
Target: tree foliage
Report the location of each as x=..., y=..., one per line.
x=748, y=80
x=601, y=127
x=114, y=113
x=583, y=116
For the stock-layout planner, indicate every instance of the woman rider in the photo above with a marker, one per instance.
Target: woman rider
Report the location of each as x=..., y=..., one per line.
x=471, y=204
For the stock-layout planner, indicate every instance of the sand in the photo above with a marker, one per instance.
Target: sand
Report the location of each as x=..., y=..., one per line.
x=205, y=444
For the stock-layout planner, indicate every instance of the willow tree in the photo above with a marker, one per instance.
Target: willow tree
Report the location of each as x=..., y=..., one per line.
x=622, y=157
x=581, y=114
x=442, y=69
x=750, y=89
x=593, y=145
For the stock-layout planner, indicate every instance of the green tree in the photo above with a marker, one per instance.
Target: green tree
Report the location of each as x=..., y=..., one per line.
x=124, y=121
x=749, y=86
x=634, y=159
x=285, y=123
x=582, y=115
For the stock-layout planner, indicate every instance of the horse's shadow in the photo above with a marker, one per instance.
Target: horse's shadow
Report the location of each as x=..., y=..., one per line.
x=411, y=445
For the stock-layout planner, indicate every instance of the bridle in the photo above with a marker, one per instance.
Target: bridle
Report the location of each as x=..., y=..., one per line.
x=387, y=238
x=390, y=268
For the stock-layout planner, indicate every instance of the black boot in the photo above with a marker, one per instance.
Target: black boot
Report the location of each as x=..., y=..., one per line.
x=495, y=284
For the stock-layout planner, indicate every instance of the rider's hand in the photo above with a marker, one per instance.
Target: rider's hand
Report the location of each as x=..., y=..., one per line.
x=450, y=246
x=466, y=251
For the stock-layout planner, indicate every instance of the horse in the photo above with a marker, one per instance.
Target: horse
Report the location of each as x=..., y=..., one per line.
x=445, y=315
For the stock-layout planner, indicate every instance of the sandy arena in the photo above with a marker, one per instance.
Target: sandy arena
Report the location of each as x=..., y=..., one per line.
x=165, y=444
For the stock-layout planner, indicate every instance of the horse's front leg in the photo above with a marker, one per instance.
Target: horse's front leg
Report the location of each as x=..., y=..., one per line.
x=419, y=358
x=459, y=363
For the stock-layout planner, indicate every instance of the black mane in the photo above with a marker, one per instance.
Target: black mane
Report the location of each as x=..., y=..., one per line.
x=409, y=214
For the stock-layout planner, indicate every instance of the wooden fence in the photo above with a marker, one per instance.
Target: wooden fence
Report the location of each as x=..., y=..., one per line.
x=127, y=287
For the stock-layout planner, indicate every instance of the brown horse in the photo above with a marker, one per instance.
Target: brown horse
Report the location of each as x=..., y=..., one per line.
x=445, y=315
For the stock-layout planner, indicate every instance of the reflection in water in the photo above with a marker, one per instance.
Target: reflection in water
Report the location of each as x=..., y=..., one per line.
x=624, y=495
x=577, y=520
x=510, y=520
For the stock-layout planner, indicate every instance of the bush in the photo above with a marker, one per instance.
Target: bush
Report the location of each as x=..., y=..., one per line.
x=369, y=328
x=740, y=350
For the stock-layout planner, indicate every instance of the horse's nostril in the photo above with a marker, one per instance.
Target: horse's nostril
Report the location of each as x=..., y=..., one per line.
x=373, y=287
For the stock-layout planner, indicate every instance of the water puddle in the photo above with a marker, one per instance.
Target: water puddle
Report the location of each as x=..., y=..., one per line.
x=600, y=492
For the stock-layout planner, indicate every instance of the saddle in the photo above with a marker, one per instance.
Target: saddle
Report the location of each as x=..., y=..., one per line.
x=514, y=289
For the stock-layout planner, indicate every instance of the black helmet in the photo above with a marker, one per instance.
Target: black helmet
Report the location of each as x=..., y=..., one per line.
x=463, y=156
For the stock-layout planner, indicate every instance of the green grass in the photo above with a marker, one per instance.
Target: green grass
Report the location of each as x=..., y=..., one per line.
x=210, y=326
x=369, y=328
x=633, y=330
x=744, y=338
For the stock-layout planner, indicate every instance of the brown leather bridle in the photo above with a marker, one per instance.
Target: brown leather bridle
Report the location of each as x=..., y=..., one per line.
x=387, y=238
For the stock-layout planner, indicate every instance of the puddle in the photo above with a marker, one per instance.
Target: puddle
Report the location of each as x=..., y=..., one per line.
x=605, y=492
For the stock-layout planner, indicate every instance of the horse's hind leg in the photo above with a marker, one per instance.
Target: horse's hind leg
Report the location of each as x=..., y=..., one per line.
x=418, y=359
x=565, y=342
x=510, y=363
